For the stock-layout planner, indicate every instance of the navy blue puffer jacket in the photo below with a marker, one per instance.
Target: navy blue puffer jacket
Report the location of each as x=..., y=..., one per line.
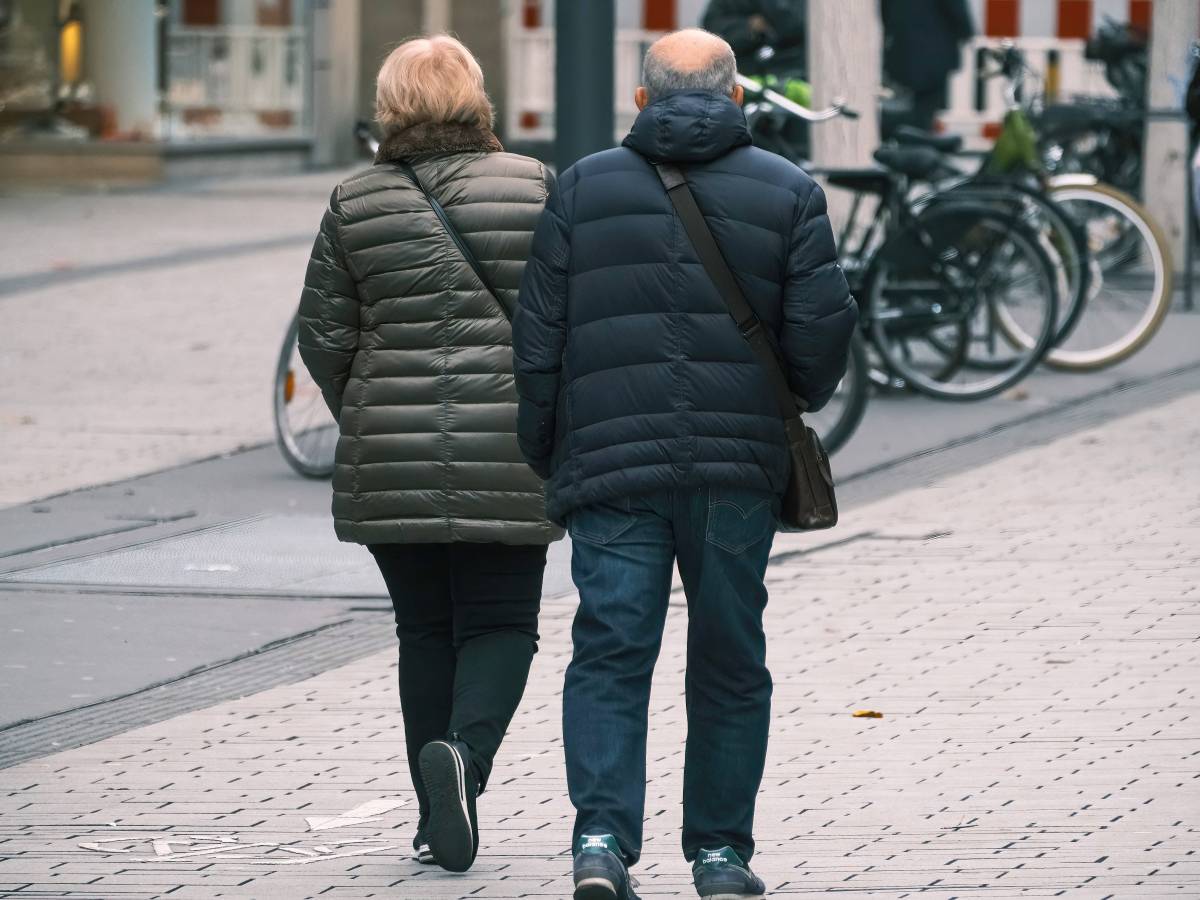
x=632, y=376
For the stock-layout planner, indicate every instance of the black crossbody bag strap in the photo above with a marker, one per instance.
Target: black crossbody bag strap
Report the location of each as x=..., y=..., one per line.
x=808, y=502
x=748, y=322
x=456, y=237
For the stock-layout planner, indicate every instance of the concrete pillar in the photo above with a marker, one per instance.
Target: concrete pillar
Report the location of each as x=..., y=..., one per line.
x=435, y=16
x=121, y=61
x=382, y=27
x=335, y=80
x=845, y=59
x=1176, y=24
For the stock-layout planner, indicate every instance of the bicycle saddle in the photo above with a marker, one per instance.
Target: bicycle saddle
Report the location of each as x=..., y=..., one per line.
x=871, y=180
x=908, y=136
x=919, y=163
x=1085, y=116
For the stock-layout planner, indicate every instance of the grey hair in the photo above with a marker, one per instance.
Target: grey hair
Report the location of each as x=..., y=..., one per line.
x=660, y=78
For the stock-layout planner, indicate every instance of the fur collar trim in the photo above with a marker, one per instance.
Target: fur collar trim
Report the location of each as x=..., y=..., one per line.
x=435, y=138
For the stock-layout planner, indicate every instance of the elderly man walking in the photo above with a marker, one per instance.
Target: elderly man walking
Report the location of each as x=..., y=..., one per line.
x=656, y=429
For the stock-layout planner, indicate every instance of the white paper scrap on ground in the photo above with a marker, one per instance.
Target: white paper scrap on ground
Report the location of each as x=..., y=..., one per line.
x=361, y=814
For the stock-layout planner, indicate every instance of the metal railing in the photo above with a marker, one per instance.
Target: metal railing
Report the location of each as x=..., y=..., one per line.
x=236, y=80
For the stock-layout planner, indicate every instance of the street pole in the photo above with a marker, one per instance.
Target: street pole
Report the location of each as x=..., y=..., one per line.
x=583, y=89
x=1175, y=26
x=845, y=52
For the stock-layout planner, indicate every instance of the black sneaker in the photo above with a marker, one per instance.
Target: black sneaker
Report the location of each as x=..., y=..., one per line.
x=452, y=831
x=600, y=870
x=721, y=875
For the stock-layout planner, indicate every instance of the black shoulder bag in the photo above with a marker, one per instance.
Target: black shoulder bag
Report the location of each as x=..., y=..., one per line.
x=456, y=237
x=809, y=502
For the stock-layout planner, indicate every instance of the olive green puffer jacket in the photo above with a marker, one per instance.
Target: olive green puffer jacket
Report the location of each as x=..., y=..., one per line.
x=412, y=354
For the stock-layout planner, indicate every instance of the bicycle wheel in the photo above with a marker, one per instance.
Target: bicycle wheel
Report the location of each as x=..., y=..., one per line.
x=1065, y=240
x=304, y=430
x=936, y=293
x=1130, y=293
x=840, y=418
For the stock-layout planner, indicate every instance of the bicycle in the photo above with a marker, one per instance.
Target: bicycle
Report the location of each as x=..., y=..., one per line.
x=305, y=431
x=935, y=279
x=1120, y=288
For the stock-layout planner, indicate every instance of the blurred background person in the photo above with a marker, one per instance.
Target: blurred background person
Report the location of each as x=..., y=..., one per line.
x=413, y=353
x=767, y=36
x=922, y=47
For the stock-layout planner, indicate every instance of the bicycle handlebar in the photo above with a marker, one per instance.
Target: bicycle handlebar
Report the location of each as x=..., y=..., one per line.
x=838, y=108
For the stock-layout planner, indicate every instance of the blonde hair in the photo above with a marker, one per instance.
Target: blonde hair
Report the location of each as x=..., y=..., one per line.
x=434, y=79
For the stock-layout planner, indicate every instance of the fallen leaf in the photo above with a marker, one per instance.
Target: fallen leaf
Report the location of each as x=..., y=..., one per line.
x=867, y=714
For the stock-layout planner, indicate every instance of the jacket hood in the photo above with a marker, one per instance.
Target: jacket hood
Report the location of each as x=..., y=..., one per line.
x=432, y=138
x=689, y=126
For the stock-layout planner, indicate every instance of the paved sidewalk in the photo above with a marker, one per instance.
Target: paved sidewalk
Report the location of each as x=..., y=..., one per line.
x=142, y=327
x=1030, y=631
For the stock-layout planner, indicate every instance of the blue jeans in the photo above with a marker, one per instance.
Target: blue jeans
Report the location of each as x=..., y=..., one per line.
x=623, y=555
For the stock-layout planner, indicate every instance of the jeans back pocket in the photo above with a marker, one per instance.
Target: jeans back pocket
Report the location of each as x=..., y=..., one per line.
x=738, y=519
x=600, y=523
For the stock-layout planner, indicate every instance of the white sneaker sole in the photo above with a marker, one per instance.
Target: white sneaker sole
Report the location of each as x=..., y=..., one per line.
x=595, y=889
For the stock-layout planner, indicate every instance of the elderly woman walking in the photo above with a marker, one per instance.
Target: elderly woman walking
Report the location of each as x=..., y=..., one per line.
x=405, y=326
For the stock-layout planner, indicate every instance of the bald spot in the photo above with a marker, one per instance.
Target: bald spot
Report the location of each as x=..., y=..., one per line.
x=690, y=49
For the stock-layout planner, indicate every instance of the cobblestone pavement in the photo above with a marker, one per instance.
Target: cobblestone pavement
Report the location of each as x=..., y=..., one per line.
x=142, y=328
x=1029, y=630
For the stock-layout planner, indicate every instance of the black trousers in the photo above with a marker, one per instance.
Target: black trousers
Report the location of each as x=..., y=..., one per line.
x=466, y=617
x=926, y=106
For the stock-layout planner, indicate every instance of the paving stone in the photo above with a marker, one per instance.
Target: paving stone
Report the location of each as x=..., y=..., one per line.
x=1030, y=630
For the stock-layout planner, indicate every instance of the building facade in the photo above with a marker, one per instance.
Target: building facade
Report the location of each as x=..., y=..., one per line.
x=113, y=90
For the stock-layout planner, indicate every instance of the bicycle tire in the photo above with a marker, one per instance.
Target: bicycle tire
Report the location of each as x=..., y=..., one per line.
x=312, y=459
x=854, y=390
x=1159, y=302
x=899, y=248
x=1066, y=237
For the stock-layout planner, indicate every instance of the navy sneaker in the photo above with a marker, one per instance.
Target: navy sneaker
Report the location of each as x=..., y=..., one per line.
x=721, y=875
x=600, y=870
x=452, y=831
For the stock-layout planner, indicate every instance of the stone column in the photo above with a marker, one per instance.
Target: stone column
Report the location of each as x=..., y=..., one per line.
x=1176, y=25
x=335, y=80
x=435, y=16
x=845, y=59
x=120, y=47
